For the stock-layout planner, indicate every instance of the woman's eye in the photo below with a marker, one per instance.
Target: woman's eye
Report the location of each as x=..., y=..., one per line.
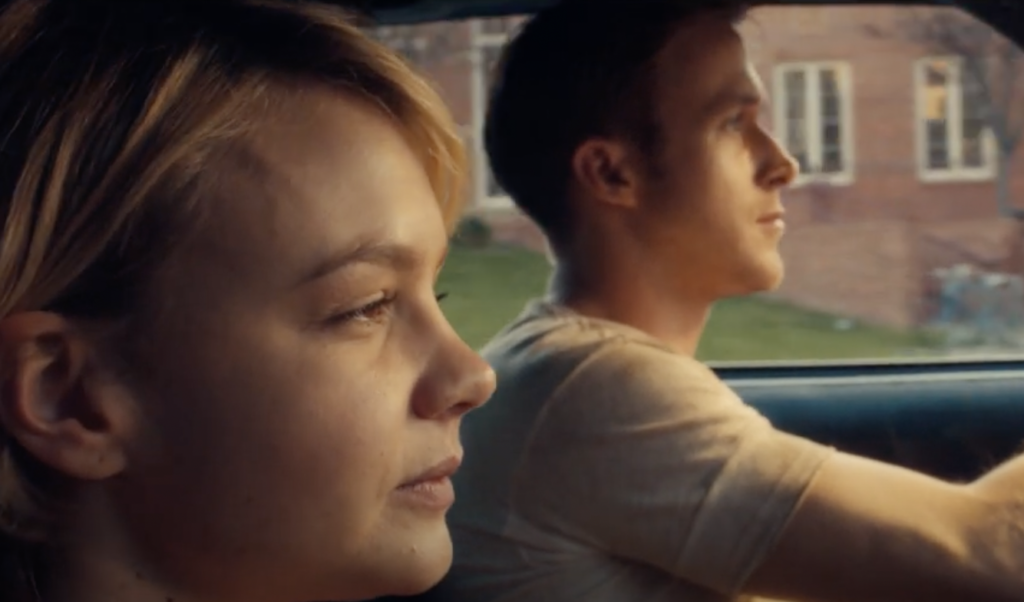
x=375, y=311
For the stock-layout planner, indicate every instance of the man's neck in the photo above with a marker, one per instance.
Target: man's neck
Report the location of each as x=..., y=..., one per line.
x=611, y=293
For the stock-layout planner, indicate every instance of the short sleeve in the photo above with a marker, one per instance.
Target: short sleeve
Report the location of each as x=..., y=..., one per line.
x=649, y=457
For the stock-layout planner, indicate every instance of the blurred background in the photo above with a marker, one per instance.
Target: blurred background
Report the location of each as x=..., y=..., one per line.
x=904, y=233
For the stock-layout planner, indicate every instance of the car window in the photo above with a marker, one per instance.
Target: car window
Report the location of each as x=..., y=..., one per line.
x=904, y=237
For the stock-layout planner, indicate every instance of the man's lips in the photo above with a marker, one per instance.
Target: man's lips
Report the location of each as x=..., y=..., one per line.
x=772, y=218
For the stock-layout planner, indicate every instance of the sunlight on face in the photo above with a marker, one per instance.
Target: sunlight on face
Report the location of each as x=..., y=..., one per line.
x=724, y=171
x=306, y=390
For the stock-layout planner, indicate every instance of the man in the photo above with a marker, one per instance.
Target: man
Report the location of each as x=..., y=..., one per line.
x=611, y=465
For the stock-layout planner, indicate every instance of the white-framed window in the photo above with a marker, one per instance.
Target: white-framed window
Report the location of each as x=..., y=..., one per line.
x=488, y=37
x=813, y=119
x=954, y=141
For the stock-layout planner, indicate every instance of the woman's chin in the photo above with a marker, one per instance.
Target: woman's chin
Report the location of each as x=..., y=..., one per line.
x=423, y=563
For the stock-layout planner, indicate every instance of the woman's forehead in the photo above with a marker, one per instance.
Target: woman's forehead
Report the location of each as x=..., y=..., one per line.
x=317, y=174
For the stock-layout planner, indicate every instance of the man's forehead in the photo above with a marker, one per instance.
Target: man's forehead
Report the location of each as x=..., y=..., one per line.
x=707, y=60
x=704, y=35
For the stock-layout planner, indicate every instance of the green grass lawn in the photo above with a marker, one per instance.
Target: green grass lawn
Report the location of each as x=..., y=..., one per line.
x=489, y=287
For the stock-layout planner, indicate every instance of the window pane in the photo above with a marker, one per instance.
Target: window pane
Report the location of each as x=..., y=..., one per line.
x=938, y=149
x=796, y=141
x=795, y=89
x=869, y=257
x=831, y=122
x=829, y=89
x=974, y=126
x=794, y=99
x=491, y=55
x=832, y=153
x=972, y=148
x=936, y=114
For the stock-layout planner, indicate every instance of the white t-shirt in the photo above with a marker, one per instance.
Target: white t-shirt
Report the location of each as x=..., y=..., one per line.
x=608, y=468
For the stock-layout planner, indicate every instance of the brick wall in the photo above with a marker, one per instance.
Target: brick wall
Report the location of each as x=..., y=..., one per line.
x=885, y=185
x=864, y=269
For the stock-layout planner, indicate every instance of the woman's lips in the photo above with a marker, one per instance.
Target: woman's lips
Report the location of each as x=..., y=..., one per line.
x=432, y=489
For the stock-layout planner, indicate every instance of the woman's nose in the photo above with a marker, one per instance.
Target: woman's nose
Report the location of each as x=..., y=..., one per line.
x=457, y=381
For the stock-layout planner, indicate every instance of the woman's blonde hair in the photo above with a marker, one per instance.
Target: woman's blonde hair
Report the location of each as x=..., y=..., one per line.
x=110, y=111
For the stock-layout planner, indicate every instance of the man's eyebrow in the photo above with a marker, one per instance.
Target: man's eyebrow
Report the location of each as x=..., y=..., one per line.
x=742, y=89
x=399, y=257
x=733, y=98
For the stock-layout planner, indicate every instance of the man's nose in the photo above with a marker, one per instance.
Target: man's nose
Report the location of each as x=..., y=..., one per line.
x=778, y=168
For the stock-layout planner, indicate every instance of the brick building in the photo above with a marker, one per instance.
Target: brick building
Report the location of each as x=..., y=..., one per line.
x=900, y=172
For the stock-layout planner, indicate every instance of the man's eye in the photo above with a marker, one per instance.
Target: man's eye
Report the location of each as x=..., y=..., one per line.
x=441, y=297
x=736, y=121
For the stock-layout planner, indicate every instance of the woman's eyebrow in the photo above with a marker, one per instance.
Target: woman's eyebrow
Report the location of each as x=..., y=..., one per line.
x=389, y=254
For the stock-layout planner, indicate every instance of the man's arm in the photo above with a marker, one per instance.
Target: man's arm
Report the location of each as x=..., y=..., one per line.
x=651, y=458
x=645, y=456
x=869, y=531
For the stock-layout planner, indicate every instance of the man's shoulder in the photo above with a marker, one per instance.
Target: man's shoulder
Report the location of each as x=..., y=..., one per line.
x=550, y=344
x=548, y=332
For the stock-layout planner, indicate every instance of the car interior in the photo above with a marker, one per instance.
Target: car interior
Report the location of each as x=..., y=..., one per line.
x=953, y=417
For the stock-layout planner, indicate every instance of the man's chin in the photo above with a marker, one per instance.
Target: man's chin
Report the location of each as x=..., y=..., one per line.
x=773, y=280
x=765, y=277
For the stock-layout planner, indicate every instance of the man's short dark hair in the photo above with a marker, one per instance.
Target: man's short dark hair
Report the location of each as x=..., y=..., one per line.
x=580, y=69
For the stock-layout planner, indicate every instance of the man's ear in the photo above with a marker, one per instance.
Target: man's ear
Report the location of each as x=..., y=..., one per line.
x=56, y=400
x=603, y=170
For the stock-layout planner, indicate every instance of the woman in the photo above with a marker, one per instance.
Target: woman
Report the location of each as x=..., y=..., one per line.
x=225, y=372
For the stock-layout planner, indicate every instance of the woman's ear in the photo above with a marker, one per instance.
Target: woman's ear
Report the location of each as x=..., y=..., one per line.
x=57, y=399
